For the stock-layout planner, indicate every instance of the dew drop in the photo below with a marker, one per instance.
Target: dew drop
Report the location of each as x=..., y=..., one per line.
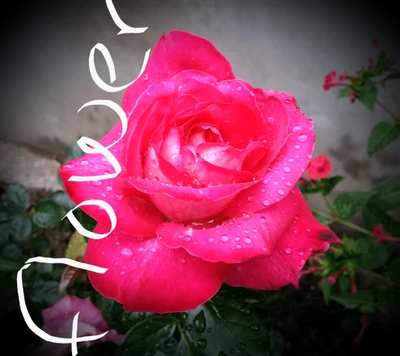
x=237, y=238
x=287, y=101
x=281, y=192
x=147, y=93
x=126, y=253
x=301, y=253
x=265, y=181
x=266, y=202
x=287, y=169
x=297, y=147
x=117, y=243
x=182, y=260
x=262, y=219
x=153, y=249
x=255, y=327
x=118, y=197
x=224, y=238
x=189, y=328
x=302, y=138
x=275, y=183
x=109, y=188
x=309, y=156
x=211, y=239
x=288, y=251
x=122, y=273
x=263, y=190
x=103, y=195
x=247, y=241
x=246, y=231
x=291, y=160
x=239, y=246
x=202, y=343
x=84, y=162
x=252, y=93
x=250, y=198
x=97, y=183
x=297, y=128
x=146, y=76
x=199, y=322
x=239, y=88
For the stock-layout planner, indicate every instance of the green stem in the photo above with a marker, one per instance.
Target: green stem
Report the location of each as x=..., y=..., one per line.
x=391, y=113
x=390, y=99
x=343, y=222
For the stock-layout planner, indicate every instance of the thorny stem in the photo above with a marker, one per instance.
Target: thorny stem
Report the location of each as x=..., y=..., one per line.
x=343, y=222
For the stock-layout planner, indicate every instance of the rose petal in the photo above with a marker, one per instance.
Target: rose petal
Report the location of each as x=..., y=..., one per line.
x=303, y=238
x=233, y=241
x=177, y=51
x=286, y=169
x=148, y=277
x=135, y=214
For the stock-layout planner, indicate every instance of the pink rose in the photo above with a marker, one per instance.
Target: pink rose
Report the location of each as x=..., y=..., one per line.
x=207, y=190
x=58, y=322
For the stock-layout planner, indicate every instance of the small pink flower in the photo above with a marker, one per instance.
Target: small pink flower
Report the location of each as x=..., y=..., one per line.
x=364, y=324
x=331, y=80
x=332, y=279
x=58, y=322
x=319, y=167
x=382, y=237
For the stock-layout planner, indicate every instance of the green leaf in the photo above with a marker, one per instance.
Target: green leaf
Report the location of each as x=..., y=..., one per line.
x=364, y=300
x=326, y=289
x=76, y=246
x=12, y=251
x=388, y=303
x=5, y=232
x=62, y=199
x=223, y=324
x=150, y=336
x=86, y=221
x=368, y=96
x=330, y=183
x=382, y=135
x=21, y=228
x=9, y=266
x=100, y=349
x=376, y=257
x=44, y=292
x=17, y=196
x=3, y=212
x=115, y=315
x=349, y=204
x=276, y=342
x=40, y=246
x=373, y=215
x=344, y=283
x=387, y=194
x=345, y=92
x=48, y=214
x=393, y=270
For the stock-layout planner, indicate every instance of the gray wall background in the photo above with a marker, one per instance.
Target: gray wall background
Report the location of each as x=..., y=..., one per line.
x=285, y=45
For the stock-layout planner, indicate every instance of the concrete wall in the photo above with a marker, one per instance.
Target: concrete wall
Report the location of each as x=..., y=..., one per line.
x=285, y=45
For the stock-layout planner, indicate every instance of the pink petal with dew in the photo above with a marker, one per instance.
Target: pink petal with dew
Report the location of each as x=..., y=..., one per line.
x=149, y=277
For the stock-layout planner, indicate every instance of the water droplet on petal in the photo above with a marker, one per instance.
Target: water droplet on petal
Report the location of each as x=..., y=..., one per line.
x=287, y=101
x=309, y=156
x=239, y=88
x=109, y=188
x=122, y=273
x=250, y=198
x=147, y=93
x=297, y=128
x=126, y=253
x=287, y=169
x=103, y=195
x=301, y=253
x=288, y=250
x=291, y=160
x=246, y=231
x=84, y=162
x=211, y=239
x=239, y=247
x=265, y=181
x=224, y=238
x=97, y=183
x=153, y=249
x=247, y=240
x=266, y=202
x=118, y=243
x=302, y=138
x=118, y=197
x=262, y=220
x=289, y=184
x=182, y=260
x=297, y=147
x=146, y=76
x=252, y=93
x=237, y=238
x=281, y=192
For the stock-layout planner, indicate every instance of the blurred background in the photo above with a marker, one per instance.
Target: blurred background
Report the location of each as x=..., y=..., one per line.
x=286, y=45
